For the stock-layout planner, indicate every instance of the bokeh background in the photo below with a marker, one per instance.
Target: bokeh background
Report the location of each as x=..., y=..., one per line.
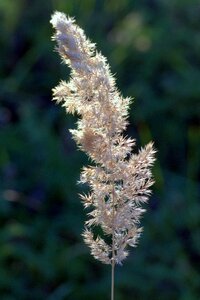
x=153, y=47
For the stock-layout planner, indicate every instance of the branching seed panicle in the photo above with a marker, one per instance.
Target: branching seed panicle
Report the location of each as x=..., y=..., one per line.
x=119, y=180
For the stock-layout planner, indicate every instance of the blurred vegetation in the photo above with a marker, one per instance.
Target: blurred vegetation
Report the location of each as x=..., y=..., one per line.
x=153, y=47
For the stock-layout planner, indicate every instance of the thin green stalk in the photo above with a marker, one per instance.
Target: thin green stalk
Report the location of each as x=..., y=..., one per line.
x=112, y=279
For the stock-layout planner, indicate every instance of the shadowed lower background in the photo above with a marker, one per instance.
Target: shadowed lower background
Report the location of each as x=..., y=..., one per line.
x=153, y=47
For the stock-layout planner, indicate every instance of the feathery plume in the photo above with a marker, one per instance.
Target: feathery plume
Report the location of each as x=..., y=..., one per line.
x=119, y=180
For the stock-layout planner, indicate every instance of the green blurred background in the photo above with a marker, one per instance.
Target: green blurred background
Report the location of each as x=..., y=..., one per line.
x=153, y=47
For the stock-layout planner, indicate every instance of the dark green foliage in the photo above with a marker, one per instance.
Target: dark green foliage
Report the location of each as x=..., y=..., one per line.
x=154, y=49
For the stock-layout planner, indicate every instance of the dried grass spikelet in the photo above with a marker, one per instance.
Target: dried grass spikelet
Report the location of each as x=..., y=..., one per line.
x=120, y=180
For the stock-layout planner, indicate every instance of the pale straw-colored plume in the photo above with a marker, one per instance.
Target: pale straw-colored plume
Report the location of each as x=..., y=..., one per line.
x=119, y=179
